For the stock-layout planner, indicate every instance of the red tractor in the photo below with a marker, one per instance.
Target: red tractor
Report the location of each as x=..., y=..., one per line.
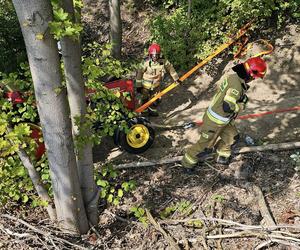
x=141, y=135
x=139, y=138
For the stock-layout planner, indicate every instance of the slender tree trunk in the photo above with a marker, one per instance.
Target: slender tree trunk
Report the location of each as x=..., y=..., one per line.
x=36, y=180
x=189, y=8
x=54, y=112
x=75, y=87
x=115, y=27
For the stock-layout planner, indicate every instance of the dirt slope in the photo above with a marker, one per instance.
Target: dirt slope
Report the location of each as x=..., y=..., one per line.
x=215, y=191
x=279, y=90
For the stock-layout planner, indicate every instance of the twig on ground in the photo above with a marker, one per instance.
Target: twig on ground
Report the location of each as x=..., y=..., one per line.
x=271, y=241
x=47, y=235
x=11, y=233
x=244, y=234
x=238, y=226
x=211, y=167
x=167, y=237
x=203, y=241
x=94, y=230
x=266, y=214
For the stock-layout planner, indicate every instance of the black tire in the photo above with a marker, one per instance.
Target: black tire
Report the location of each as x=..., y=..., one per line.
x=144, y=140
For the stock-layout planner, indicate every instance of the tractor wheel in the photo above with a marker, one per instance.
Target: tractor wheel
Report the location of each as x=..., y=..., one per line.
x=139, y=138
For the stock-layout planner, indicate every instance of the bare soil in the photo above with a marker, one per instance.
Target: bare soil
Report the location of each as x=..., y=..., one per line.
x=160, y=187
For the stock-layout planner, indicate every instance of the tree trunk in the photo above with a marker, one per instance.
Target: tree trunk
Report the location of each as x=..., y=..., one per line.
x=54, y=113
x=189, y=8
x=115, y=28
x=36, y=180
x=75, y=87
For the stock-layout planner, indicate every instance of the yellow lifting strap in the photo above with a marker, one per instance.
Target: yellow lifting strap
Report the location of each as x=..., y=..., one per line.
x=224, y=46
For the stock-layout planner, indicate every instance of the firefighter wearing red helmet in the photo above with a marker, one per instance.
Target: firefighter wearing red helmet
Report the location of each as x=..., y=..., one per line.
x=150, y=75
x=218, y=131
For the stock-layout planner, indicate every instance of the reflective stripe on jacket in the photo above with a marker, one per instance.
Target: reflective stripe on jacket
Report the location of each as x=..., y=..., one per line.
x=150, y=73
x=229, y=90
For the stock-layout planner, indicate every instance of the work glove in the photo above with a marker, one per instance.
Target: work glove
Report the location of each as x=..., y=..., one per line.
x=242, y=102
x=233, y=116
x=244, y=99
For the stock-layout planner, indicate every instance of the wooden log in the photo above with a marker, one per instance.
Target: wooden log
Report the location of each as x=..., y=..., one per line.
x=274, y=147
x=242, y=150
x=149, y=163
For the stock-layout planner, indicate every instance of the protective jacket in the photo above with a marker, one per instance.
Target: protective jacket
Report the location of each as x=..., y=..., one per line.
x=150, y=74
x=228, y=100
x=218, y=131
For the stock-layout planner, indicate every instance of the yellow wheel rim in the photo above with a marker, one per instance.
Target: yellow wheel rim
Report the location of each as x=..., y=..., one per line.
x=138, y=136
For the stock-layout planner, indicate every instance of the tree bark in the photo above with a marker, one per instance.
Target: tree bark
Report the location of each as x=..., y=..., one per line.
x=189, y=9
x=53, y=111
x=36, y=180
x=71, y=54
x=115, y=28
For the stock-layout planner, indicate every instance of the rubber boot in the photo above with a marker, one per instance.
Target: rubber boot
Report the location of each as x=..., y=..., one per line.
x=222, y=160
x=187, y=167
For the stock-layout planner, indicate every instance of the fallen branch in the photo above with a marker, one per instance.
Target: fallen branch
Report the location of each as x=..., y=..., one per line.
x=46, y=234
x=274, y=147
x=237, y=226
x=149, y=163
x=263, y=208
x=242, y=150
x=11, y=233
x=244, y=234
x=167, y=237
x=271, y=241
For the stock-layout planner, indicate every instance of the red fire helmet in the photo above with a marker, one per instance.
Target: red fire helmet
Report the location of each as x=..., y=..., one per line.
x=256, y=67
x=154, y=49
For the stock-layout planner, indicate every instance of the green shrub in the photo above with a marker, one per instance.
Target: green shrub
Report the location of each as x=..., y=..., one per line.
x=185, y=41
x=107, y=112
x=12, y=47
x=15, y=183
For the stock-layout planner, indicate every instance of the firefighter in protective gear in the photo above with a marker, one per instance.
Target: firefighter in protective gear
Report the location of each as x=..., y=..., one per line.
x=150, y=75
x=218, y=132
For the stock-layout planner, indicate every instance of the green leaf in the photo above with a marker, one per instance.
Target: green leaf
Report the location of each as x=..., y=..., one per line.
x=45, y=177
x=25, y=198
x=125, y=186
x=58, y=90
x=70, y=31
x=120, y=193
x=60, y=15
x=102, y=183
x=20, y=171
x=103, y=193
x=110, y=198
x=116, y=201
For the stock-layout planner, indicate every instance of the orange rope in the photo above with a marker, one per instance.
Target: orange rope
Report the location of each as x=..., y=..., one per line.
x=243, y=48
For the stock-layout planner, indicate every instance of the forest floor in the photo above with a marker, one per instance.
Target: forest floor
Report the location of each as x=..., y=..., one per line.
x=253, y=186
x=214, y=207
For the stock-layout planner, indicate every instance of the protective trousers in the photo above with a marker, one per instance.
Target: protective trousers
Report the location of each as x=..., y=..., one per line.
x=147, y=94
x=212, y=137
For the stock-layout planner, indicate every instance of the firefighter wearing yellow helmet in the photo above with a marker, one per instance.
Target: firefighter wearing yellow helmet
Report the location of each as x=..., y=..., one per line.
x=150, y=75
x=218, y=132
